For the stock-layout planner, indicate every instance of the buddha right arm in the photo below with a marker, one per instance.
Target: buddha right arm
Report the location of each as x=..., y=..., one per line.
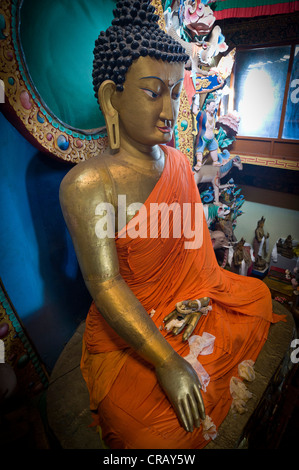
x=119, y=306
x=126, y=315
x=129, y=319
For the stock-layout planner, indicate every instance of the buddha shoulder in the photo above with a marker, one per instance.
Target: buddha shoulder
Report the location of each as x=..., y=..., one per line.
x=87, y=179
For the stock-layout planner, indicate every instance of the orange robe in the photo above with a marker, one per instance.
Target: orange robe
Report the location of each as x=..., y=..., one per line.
x=133, y=410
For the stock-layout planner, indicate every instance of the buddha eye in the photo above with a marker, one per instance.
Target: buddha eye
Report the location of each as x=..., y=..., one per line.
x=151, y=93
x=176, y=95
x=176, y=92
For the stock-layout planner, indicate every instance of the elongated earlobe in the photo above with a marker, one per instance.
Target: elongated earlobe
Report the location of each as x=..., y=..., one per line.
x=112, y=124
x=106, y=90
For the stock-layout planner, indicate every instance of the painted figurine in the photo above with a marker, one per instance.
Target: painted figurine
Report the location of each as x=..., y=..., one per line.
x=207, y=140
x=214, y=173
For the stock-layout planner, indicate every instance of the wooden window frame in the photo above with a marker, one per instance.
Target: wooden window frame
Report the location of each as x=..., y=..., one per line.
x=269, y=148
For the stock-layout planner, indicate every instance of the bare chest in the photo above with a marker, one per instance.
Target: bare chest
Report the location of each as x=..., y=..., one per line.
x=131, y=189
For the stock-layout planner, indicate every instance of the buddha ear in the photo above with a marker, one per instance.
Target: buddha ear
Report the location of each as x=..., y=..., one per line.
x=105, y=94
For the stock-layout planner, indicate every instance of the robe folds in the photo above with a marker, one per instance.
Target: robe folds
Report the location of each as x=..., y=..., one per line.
x=132, y=409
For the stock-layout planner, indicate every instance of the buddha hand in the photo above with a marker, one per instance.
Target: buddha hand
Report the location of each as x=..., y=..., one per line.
x=186, y=315
x=181, y=384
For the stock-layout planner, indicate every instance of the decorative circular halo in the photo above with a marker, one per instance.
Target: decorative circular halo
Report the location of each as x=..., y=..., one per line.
x=28, y=112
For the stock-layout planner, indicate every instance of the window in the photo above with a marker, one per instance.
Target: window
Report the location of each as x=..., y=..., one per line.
x=259, y=89
x=266, y=95
x=291, y=121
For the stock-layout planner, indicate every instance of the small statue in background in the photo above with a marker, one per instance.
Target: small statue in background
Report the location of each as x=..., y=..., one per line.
x=219, y=239
x=285, y=248
x=226, y=226
x=241, y=261
x=260, y=245
x=221, y=247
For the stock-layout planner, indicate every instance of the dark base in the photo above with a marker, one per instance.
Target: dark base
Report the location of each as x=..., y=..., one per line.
x=259, y=274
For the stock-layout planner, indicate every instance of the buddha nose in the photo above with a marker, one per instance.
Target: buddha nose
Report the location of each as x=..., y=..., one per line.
x=167, y=112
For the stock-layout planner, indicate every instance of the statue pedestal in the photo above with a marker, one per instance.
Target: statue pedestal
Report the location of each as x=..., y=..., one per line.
x=259, y=274
x=282, y=288
x=69, y=416
x=259, y=426
x=285, y=263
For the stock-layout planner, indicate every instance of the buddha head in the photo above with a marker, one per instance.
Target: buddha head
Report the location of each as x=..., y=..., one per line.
x=138, y=73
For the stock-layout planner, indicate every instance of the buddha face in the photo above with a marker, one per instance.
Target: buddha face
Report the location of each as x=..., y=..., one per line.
x=149, y=104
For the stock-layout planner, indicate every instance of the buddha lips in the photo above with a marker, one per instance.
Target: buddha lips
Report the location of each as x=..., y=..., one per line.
x=165, y=130
x=162, y=220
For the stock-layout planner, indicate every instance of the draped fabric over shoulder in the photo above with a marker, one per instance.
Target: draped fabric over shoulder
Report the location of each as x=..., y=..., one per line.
x=132, y=409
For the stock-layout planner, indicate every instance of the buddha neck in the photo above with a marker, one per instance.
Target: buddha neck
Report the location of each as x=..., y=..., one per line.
x=141, y=156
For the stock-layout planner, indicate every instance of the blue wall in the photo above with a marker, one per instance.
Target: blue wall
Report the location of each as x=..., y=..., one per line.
x=38, y=266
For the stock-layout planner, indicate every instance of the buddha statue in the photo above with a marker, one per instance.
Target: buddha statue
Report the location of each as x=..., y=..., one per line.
x=143, y=390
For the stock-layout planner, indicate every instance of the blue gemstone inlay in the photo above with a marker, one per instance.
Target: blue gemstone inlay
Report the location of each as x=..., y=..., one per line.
x=62, y=143
x=40, y=118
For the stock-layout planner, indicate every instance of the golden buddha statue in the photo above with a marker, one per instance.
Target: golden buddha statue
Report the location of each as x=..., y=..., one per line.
x=145, y=394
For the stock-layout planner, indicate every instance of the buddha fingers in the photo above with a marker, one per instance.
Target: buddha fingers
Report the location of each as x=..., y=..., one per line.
x=192, y=321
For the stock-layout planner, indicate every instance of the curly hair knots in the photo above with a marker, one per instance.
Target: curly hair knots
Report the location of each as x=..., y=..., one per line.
x=134, y=33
